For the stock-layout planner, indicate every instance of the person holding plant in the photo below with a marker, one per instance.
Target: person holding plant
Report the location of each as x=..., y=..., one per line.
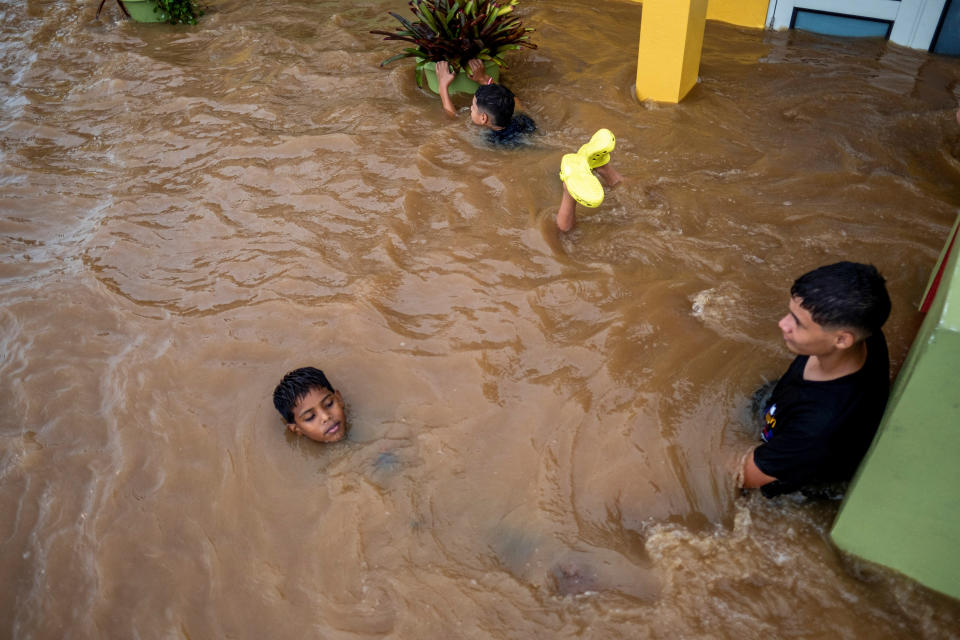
x=493, y=105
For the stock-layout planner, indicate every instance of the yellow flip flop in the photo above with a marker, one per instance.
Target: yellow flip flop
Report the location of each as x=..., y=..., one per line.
x=581, y=183
x=597, y=151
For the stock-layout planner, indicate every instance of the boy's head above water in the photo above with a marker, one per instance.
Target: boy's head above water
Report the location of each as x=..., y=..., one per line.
x=310, y=406
x=493, y=106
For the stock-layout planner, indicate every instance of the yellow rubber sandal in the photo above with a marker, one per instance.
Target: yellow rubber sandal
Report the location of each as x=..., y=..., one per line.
x=581, y=183
x=597, y=151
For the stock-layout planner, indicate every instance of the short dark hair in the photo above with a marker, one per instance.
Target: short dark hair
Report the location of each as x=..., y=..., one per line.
x=497, y=102
x=845, y=295
x=294, y=386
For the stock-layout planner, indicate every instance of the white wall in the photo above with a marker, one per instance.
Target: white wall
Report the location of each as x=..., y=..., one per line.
x=914, y=21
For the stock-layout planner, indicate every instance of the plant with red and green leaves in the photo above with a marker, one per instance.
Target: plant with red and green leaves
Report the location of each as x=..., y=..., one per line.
x=458, y=31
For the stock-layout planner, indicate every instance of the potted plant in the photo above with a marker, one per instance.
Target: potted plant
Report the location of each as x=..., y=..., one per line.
x=172, y=11
x=458, y=31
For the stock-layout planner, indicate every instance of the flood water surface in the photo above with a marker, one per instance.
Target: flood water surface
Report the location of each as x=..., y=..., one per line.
x=544, y=427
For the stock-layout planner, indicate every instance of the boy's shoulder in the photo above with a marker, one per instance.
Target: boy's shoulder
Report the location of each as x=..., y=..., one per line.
x=524, y=123
x=521, y=125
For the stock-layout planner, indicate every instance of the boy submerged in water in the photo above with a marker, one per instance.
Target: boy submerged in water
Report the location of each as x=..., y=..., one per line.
x=310, y=406
x=493, y=105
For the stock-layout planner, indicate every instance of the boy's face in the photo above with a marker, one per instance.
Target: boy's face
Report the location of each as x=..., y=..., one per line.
x=805, y=337
x=320, y=416
x=476, y=115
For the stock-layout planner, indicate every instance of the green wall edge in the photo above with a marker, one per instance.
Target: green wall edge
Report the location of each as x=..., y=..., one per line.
x=902, y=509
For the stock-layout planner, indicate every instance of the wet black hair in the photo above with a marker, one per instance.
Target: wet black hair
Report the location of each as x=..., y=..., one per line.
x=294, y=386
x=846, y=295
x=497, y=102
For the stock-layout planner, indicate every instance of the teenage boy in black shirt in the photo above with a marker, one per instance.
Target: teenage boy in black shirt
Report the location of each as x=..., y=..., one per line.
x=825, y=409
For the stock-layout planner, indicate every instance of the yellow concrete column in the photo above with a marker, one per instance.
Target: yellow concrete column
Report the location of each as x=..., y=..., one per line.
x=671, y=38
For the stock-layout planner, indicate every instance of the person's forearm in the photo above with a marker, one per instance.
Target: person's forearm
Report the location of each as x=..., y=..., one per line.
x=447, y=102
x=753, y=477
x=567, y=213
x=445, y=77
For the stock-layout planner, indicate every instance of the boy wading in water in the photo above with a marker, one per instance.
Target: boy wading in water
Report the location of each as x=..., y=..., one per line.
x=825, y=410
x=493, y=105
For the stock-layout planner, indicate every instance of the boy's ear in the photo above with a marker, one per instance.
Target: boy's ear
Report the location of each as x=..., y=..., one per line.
x=293, y=428
x=845, y=339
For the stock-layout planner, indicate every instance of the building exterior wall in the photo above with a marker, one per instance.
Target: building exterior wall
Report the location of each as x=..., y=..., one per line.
x=745, y=13
x=903, y=508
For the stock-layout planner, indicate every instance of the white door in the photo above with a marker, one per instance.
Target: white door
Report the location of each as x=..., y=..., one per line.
x=911, y=23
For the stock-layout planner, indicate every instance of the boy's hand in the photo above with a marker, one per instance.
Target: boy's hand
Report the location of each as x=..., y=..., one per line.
x=477, y=73
x=444, y=75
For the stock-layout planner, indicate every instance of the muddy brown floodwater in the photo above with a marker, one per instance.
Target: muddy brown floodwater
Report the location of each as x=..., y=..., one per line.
x=543, y=426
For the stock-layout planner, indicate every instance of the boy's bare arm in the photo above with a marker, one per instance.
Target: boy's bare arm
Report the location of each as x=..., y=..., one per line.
x=753, y=478
x=444, y=78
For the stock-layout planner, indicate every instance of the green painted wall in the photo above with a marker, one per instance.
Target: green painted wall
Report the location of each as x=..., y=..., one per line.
x=903, y=508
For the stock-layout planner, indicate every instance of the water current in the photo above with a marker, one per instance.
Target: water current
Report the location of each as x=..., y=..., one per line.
x=544, y=426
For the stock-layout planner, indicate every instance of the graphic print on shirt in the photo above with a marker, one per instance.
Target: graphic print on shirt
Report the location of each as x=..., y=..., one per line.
x=771, y=421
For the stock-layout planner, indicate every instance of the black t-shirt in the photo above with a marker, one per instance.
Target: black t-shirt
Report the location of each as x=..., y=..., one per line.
x=514, y=133
x=819, y=431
